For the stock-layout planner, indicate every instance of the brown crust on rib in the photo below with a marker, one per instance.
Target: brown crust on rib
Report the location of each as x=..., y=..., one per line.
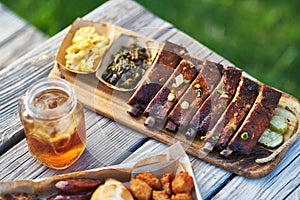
x=213, y=107
x=166, y=61
x=171, y=54
x=159, y=106
x=235, y=112
x=158, y=76
x=207, y=79
x=256, y=122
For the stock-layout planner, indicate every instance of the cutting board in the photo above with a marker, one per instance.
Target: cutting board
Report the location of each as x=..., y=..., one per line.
x=111, y=103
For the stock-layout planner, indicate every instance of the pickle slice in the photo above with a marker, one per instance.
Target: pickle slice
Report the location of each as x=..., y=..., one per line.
x=271, y=138
x=279, y=124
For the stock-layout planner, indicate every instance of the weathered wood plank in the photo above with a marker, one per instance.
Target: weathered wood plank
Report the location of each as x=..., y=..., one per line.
x=108, y=143
x=14, y=26
x=16, y=162
x=277, y=185
x=17, y=37
x=295, y=194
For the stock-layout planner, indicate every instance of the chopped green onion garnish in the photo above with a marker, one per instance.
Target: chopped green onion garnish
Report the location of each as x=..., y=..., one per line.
x=251, y=129
x=216, y=137
x=185, y=105
x=245, y=136
x=198, y=92
x=221, y=91
x=179, y=80
x=161, y=79
x=185, y=81
x=224, y=95
x=171, y=96
x=147, y=80
x=233, y=126
x=222, y=106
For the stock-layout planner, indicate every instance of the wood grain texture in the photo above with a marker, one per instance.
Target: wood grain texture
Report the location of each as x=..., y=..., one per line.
x=108, y=143
x=17, y=37
x=17, y=163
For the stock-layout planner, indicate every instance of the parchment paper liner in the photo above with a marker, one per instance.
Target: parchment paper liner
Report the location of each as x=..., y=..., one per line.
x=172, y=160
x=112, y=31
x=127, y=40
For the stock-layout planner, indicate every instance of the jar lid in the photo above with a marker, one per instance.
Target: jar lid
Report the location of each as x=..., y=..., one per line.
x=50, y=99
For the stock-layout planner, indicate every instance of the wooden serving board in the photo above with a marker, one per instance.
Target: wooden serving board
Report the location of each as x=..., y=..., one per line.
x=110, y=103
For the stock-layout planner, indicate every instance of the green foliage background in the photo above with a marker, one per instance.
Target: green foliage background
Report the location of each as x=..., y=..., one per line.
x=261, y=37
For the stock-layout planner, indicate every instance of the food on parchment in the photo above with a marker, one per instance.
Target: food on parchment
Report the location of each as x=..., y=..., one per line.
x=166, y=182
x=150, y=179
x=159, y=195
x=145, y=186
x=181, y=196
x=238, y=108
x=75, y=188
x=182, y=183
x=140, y=189
x=87, y=45
x=128, y=67
x=112, y=189
x=167, y=60
x=159, y=107
x=77, y=185
x=213, y=107
x=254, y=124
x=78, y=196
x=209, y=75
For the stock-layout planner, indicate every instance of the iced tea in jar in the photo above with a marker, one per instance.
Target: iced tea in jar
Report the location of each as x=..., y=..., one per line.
x=53, y=122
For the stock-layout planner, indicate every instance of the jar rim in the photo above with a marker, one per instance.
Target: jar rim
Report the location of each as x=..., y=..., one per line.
x=45, y=84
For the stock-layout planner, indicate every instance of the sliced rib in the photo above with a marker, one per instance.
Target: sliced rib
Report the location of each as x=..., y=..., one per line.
x=159, y=107
x=234, y=114
x=254, y=124
x=207, y=79
x=167, y=60
x=213, y=107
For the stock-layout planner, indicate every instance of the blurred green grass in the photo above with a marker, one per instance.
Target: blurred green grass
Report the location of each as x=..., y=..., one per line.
x=261, y=37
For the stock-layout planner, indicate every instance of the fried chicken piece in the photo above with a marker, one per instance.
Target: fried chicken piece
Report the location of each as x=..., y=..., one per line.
x=182, y=183
x=166, y=181
x=140, y=189
x=150, y=179
x=182, y=196
x=160, y=195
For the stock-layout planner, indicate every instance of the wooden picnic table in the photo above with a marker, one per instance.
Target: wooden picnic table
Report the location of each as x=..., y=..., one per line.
x=109, y=143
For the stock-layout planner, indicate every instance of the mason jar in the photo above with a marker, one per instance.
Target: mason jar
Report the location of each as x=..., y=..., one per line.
x=53, y=122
